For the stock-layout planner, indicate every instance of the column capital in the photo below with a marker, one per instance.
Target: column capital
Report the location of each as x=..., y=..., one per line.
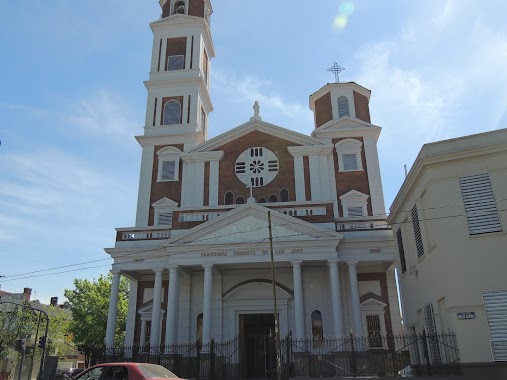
x=207, y=266
x=352, y=263
x=115, y=273
x=158, y=270
x=296, y=263
x=333, y=262
x=173, y=268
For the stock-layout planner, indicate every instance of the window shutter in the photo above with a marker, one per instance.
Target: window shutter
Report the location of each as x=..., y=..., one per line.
x=417, y=232
x=343, y=106
x=495, y=303
x=355, y=211
x=480, y=204
x=349, y=161
x=168, y=170
x=401, y=250
x=175, y=62
x=165, y=219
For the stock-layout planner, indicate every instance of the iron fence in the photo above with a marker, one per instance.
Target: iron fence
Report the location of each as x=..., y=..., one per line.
x=348, y=356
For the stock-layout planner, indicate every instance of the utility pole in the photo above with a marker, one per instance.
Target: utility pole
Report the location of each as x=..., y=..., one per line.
x=277, y=321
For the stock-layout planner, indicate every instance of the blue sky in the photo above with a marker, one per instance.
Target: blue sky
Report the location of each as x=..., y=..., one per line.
x=72, y=99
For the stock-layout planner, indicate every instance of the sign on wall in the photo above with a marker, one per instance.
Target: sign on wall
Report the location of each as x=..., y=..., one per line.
x=466, y=315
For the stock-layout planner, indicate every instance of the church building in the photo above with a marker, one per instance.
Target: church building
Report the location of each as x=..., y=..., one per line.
x=211, y=211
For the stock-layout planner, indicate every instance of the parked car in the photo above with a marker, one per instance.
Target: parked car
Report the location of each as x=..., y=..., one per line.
x=126, y=371
x=76, y=371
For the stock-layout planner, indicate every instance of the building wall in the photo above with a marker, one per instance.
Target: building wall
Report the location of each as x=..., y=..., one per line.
x=456, y=267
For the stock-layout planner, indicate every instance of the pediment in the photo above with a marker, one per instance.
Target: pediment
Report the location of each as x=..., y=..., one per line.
x=373, y=303
x=346, y=124
x=165, y=202
x=256, y=125
x=354, y=195
x=247, y=223
x=146, y=310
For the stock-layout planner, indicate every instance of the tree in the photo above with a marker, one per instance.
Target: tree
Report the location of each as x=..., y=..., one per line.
x=17, y=322
x=59, y=339
x=89, y=305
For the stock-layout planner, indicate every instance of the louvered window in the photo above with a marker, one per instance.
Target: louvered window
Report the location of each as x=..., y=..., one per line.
x=168, y=170
x=403, y=263
x=350, y=161
x=480, y=204
x=495, y=303
x=165, y=219
x=172, y=113
x=343, y=106
x=354, y=211
x=175, y=62
x=417, y=232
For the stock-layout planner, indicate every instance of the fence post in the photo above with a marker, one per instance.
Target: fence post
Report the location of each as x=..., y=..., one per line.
x=426, y=353
x=353, y=365
x=211, y=359
x=198, y=356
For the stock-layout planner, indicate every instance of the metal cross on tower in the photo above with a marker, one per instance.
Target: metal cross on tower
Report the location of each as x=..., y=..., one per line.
x=336, y=70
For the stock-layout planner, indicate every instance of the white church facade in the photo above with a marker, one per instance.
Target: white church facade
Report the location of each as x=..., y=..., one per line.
x=199, y=257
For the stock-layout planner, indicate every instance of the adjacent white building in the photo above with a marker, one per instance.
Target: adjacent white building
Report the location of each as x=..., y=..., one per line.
x=449, y=220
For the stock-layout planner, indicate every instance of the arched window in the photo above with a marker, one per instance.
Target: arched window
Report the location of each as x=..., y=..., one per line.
x=240, y=200
x=284, y=195
x=198, y=330
x=273, y=198
x=317, y=330
x=343, y=106
x=179, y=7
x=172, y=113
x=261, y=200
x=229, y=198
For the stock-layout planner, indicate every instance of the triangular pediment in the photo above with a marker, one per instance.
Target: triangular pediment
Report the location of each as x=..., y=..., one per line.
x=346, y=124
x=260, y=126
x=165, y=202
x=354, y=195
x=246, y=224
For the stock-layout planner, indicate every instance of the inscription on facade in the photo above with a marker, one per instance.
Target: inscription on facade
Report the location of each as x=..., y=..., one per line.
x=375, y=250
x=251, y=253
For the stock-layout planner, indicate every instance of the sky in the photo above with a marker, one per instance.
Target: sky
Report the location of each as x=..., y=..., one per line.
x=72, y=99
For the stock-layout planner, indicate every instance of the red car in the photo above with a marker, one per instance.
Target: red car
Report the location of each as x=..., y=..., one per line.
x=126, y=371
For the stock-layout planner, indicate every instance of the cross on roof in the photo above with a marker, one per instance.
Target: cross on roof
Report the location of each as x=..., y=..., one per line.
x=336, y=70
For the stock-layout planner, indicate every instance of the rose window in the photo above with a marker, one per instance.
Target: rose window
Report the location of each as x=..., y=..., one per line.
x=257, y=167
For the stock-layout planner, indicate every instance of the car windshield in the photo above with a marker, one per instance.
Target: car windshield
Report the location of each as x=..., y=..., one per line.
x=153, y=371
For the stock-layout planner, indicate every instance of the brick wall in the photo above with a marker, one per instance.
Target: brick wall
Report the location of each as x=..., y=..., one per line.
x=362, y=108
x=384, y=296
x=323, y=110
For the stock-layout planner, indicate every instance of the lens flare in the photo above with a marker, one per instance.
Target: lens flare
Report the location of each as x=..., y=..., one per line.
x=340, y=21
x=347, y=8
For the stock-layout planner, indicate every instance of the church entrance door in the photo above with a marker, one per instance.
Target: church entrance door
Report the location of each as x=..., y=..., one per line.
x=256, y=351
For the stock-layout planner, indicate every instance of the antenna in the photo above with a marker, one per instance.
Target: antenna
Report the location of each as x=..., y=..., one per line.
x=405, y=166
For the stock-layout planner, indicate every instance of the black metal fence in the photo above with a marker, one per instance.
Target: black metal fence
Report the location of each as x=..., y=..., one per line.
x=349, y=356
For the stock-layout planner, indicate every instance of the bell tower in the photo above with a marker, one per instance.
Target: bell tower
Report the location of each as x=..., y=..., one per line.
x=178, y=88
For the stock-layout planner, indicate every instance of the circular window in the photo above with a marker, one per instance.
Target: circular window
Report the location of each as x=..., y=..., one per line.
x=257, y=167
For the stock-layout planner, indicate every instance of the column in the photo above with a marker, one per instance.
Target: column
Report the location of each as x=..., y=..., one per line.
x=163, y=55
x=158, y=112
x=356, y=304
x=155, y=315
x=214, y=171
x=374, y=179
x=131, y=314
x=315, y=181
x=113, y=309
x=336, y=298
x=298, y=300
x=207, y=295
x=299, y=179
x=173, y=298
x=144, y=192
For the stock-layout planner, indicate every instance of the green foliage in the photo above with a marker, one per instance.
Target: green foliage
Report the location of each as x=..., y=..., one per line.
x=59, y=338
x=89, y=304
x=18, y=322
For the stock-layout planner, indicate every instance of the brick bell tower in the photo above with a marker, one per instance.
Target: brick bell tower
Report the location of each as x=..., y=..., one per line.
x=178, y=92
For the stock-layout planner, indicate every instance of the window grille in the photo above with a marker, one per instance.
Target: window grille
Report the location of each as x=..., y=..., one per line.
x=401, y=250
x=374, y=331
x=175, y=62
x=354, y=211
x=417, y=232
x=495, y=304
x=317, y=329
x=165, y=219
x=431, y=326
x=480, y=205
x=172, y=112
x=168, y=170
x=350, y=162
x=343, y=106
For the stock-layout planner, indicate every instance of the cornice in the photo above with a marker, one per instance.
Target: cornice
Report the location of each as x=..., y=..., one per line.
x=310, y=150
x=167, y=140
x=337, y=86
x=202, y=156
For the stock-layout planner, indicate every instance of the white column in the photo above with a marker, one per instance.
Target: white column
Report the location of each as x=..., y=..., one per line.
x=354, y=295
x=299, y=312
x=113, y=309
x=155, y=315
x=336, y=298
x=198, y=183
x=207, y=295
x=332, y=183
x=324, y=177
x=214, y=172
x=144, y=193
x=374, y=179
x=187, y=55
x=143, y=332
x=173, y=298
x=154, y=54
x=299, y=179
x=315, y=184
x=163, y=55
x=158, y=112
x=131, y=313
